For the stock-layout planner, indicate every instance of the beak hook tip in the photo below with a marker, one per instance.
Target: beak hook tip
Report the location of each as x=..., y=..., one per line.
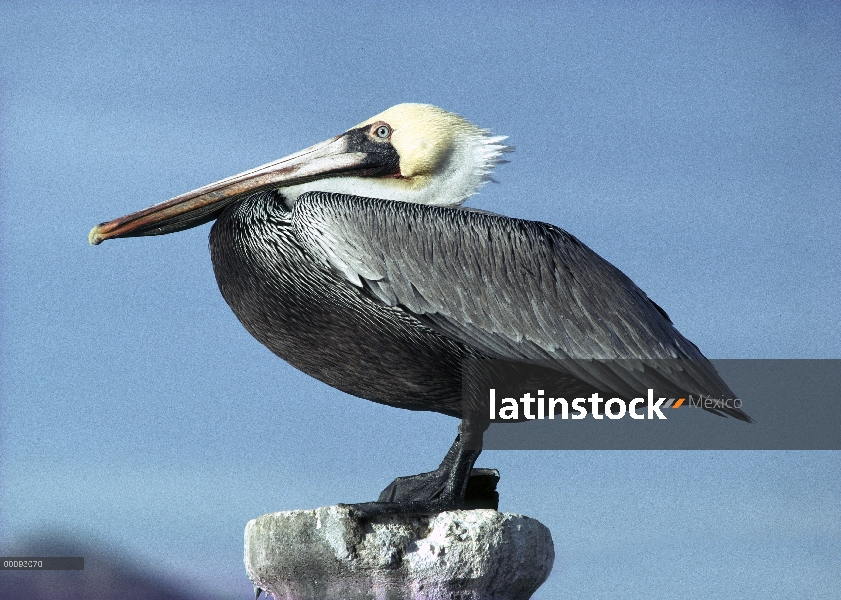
x=94, y=237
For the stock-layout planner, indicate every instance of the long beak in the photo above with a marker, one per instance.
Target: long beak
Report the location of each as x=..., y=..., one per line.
x=346, y=154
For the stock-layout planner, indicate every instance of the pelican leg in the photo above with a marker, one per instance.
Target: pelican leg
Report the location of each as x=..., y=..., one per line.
x=454, y=485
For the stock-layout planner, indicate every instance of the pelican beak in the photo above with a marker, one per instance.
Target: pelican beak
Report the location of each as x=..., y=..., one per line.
x=356, y=152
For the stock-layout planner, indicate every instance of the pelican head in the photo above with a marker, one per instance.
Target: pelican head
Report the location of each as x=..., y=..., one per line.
x=409, y=153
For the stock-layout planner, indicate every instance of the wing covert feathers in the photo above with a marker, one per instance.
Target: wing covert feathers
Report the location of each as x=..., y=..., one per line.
x=511, y=288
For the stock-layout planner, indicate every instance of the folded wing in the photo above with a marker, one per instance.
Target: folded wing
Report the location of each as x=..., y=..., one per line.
x=511, y=288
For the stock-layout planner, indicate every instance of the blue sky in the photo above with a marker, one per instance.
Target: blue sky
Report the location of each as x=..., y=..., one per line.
x=698, y=148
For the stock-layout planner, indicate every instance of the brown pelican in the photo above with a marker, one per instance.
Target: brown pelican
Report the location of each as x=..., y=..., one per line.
x=353, y=261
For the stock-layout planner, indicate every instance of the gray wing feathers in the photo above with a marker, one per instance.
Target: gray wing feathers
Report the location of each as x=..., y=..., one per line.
x=511, y=288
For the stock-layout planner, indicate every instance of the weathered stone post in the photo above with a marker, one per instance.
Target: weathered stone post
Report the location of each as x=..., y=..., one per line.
x=328, y=553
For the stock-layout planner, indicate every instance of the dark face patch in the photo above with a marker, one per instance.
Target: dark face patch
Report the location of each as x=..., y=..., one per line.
x=381, y=157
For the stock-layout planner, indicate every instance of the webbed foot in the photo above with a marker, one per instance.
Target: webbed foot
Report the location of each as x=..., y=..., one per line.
x=424, y=487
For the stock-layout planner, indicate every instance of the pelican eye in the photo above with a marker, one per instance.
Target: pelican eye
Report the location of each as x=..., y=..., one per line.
x=383, y=131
